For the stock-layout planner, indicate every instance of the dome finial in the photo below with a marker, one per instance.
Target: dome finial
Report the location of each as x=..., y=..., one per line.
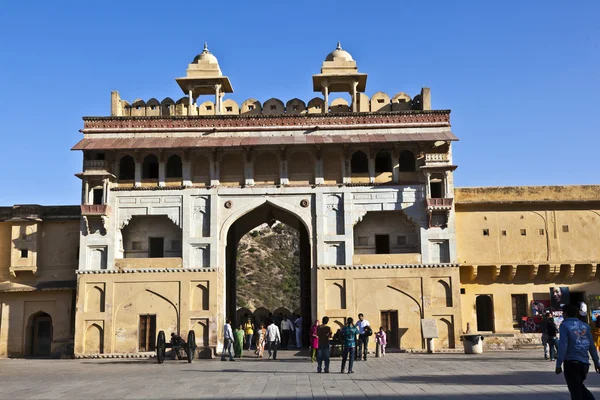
x=339, y=46
x=206, y=46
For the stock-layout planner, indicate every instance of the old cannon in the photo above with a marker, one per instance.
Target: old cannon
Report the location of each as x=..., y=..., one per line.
x=176, y=345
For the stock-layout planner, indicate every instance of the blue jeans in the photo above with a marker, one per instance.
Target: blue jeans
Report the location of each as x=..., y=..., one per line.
x=249, y=341
x=227, y=346
x=553, y=344
x=348, y=353
x=323, y=355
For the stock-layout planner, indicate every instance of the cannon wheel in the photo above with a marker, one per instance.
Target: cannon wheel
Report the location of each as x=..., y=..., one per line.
x=160, y=347
x=191, y=345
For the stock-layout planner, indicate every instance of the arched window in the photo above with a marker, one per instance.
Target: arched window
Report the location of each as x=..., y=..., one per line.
x=174, y=167
x=407, y=161
x=383, y=162
x=127, y=168
x=359, y=163
x=150, y=167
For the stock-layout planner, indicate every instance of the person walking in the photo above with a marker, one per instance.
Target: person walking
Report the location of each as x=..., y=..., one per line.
x=260, y=341
x=273, y=340
x=543, y=327
x=551, y=333
x=298, y=326
x=227, y=340
x=286, y=330
x=238, y=343
x=381, y=338
x=314, y=340
x=323, y=335
x=249, y=332
x=349, y=333
x=363, y=337
x=573, y=347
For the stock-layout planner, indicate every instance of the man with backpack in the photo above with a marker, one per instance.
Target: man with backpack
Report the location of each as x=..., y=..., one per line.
x=364, y=331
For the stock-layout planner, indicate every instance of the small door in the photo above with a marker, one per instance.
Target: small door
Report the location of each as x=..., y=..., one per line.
x=157, y=247
x=98, y=196
x=485, y=313
x=42, y=336
x=439, y=252
x=147, y=330
x=389, y=321
x=382, y=244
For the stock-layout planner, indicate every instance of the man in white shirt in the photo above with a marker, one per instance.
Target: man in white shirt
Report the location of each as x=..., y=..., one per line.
x=273, y=339
x=227, y=340
x=298, y=325
x=363, y=337
x=286, y=330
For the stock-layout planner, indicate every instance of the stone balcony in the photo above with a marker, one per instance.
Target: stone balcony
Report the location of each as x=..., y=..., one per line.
x=95, y=210
x=22, y=268
x=433, y=158
x=101, y=165
x=439, y=204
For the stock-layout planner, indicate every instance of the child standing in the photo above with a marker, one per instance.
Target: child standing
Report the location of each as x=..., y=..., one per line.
x=381, y=339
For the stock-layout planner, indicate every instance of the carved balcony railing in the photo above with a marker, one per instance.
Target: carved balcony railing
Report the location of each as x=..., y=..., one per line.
x=444, y=204
x=95, y=165
x=95, y=210
x=436, y=158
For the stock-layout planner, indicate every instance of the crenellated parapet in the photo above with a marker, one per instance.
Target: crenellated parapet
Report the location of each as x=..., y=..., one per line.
x=379, y=102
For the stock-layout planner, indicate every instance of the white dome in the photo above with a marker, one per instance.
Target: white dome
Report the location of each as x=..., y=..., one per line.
x=206, y=56
x=339, y=55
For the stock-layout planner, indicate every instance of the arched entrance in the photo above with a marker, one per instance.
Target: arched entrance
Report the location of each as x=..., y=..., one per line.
x=39, y=335
x=268, y=213
x=485, y=313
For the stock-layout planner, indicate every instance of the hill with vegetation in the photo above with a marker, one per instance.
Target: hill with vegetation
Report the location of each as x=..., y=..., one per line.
x=268, y=268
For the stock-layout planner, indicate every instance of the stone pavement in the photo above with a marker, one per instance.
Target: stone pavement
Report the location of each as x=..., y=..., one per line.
x=492, y=375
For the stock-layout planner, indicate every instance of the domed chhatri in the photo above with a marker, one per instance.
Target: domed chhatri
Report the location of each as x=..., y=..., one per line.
x=339, y=54
x=339, y=73
x=204, y=77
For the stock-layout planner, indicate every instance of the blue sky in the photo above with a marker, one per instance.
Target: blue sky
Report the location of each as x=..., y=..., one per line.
x=522, y=78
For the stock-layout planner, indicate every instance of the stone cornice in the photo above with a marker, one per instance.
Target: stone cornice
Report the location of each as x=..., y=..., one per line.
x=182, y=123
x=141, y=270
x=385, y=266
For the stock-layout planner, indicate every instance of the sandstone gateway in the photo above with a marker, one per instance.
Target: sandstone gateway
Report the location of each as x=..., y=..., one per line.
x=170, y=187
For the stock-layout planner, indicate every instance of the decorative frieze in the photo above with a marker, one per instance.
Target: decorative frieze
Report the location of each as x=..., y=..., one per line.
x=386, y=266
x=142, y=270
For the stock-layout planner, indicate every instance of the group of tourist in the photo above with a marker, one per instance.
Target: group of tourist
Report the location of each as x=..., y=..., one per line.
x=352, y=338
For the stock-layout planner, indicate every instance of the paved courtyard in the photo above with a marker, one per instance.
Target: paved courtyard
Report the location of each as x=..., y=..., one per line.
x=494, y=375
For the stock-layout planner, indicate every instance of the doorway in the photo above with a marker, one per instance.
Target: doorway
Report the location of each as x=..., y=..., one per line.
x=276, y=218
x=156, y=247
x=382, y=244
x=40, y=335
x=389, y=322
x=485, y=313
x=147, y=330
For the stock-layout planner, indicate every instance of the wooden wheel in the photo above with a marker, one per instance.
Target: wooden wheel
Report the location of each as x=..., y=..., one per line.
x=160, y=347
x=191, y=345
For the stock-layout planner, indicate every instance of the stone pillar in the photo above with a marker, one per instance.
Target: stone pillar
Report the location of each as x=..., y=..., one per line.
x=319, y=178
x=138, y=171
x=86, y=192
x=105, y=191
x=191, y=101
x=326, y=99
x=248, y=167
x=186, y=170
x=218, y=99
x=354, y=97
x=371, y=166
x=427, y=185
x=283, y=167
x=446, y=180
x=346, y=167
x=161, y=169
x=214, y=169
